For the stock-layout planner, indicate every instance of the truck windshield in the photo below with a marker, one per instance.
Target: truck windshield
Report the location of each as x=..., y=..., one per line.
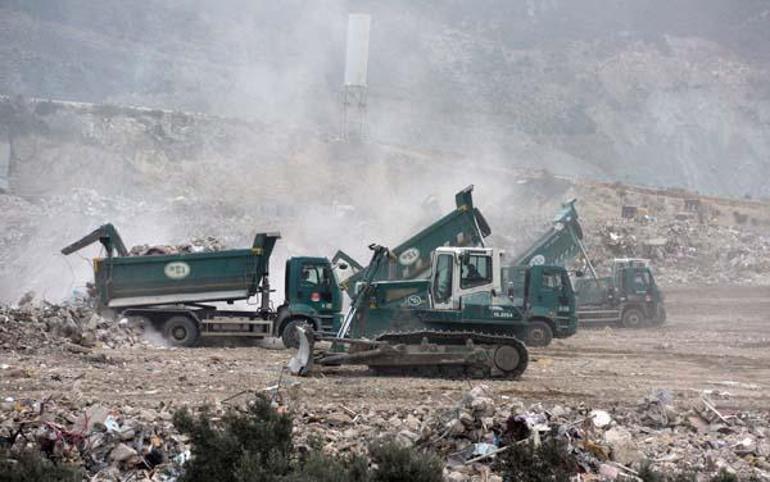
x=315, y=275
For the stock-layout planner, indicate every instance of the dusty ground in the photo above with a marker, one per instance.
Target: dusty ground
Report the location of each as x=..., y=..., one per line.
x=716, y=339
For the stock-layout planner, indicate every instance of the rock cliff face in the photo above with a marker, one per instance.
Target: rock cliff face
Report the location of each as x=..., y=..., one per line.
x=667, y=93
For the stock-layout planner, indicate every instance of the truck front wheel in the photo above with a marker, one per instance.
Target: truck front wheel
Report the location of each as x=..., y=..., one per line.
x=539, y=333
x=632, y=318
x=289, y=333
x=180, y=331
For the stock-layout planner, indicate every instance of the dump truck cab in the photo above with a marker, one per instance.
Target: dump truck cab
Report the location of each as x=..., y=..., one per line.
x=313, y=297
x=628, y=296
x=465, y=291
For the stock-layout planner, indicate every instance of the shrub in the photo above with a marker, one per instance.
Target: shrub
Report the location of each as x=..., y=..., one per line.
x=396, y=463
x=255, y=445
x=32, y=466
x=551, y=461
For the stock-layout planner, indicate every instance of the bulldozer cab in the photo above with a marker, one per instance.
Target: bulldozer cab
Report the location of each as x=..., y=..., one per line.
x=461, y=272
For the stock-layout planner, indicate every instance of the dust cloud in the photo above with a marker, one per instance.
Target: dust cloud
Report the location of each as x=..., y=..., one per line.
x=237, y=128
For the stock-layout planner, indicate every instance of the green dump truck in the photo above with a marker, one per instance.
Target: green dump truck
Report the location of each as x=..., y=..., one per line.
x=629, y=296
x=176, y=292
x=464, y=226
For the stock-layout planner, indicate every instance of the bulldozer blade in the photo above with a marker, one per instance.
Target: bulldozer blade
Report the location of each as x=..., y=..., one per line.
x=302, y=361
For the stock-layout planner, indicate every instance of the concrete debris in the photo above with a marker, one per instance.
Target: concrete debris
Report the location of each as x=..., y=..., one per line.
x=108, y=444
x=600, y=418
x=39, y=327
x=685, y=251
x=609, y=444
x=197, y=245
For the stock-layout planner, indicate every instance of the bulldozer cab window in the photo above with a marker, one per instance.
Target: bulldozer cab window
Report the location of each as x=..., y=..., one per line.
x=442, y=283
x=476, y=272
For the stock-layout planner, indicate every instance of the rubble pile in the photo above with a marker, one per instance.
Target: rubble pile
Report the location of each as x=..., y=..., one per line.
x=608, y=444
x=106, y=444
x=38, y=327
x=690, y=436
x=197, y=245
x=686, y=251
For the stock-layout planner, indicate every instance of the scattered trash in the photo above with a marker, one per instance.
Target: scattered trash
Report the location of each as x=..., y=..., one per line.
x=600, y=418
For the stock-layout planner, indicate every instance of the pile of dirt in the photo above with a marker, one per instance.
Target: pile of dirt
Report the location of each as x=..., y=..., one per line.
x=686, y=252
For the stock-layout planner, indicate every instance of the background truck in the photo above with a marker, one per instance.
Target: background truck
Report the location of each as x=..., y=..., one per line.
x=628, y=296
x=175, y=292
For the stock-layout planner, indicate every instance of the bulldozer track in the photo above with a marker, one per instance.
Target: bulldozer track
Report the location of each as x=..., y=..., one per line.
x=457, y=338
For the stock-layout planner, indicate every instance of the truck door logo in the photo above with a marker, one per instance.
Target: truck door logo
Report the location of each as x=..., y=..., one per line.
x=177, y=270
x=414, y=300
x=537, y=260
x=409, y=256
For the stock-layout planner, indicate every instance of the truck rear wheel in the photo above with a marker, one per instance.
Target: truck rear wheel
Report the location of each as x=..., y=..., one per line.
x=180, y=331
x=289, y=334
x=660, y=316
x=632, y=318
x=539, y=334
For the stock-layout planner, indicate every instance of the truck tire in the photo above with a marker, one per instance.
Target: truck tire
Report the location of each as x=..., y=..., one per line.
x=539, y=333
x=289, y=333
x=660, y=316
x=180, y=331
x=632, y=318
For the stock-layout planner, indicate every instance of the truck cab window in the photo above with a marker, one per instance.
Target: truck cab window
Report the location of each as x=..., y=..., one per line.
x=476, y=272
x=310, y=275
x=442, y=282
x=641, y=280
x=552, y=281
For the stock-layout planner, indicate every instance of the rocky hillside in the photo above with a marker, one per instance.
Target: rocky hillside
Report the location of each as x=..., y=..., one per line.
x=662, y=93
x=168, y=177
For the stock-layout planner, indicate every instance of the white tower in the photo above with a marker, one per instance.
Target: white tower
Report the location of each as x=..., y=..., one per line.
x=354, y=88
